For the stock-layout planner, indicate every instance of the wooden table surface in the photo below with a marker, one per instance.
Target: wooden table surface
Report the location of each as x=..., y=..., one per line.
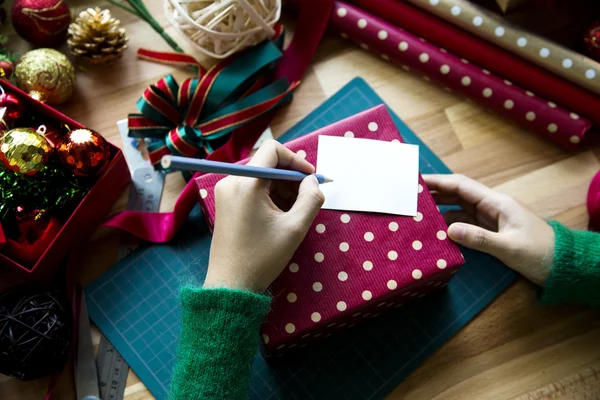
x=515, y=349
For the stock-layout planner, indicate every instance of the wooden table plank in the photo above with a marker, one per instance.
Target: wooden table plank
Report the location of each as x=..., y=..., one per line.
x=516, y=348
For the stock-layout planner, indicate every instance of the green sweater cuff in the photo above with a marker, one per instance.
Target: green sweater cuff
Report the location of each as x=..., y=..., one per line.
x=575, y=274
x=219, y=337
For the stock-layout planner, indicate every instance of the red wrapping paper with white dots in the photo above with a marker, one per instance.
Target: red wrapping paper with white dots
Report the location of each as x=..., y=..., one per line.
x=352, y=266
x=550, y=121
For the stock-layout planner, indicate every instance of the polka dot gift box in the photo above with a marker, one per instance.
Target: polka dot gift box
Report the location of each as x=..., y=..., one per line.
x=352, y=266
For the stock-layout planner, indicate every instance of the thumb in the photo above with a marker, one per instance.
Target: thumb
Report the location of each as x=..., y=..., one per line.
x=477, y=238
x=309, y=201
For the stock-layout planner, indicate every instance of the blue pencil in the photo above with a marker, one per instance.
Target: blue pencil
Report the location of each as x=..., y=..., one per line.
x=217, y=167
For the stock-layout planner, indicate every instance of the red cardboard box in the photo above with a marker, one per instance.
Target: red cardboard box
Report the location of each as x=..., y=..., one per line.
x=352, y=265
x=90, y=212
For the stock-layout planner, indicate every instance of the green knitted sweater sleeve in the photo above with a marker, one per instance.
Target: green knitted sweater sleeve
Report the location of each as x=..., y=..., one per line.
x=218, y=340
x=575, y=274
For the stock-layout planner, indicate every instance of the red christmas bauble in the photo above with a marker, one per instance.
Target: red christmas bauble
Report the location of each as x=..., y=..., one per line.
x=591, y=39
x=7, y=68
x=41, y=22
x=11, y=109
x=85, y=152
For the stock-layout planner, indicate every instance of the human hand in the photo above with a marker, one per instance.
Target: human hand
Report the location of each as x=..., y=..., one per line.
x=259, y=223
x=495, y=223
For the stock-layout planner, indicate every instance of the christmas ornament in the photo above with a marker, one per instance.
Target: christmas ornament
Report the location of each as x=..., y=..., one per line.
x=6, y=69
x=24, y=150
x=222, y=28
x=96, y=37
x=47, y=75
x=41, y=22
x=591, y=39
x=84, y=151
x=35, y=332
x=11, y=109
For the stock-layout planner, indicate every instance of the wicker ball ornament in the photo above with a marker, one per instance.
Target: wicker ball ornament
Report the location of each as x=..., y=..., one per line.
x=35, y=332
x=96, y=37
x=220, y=28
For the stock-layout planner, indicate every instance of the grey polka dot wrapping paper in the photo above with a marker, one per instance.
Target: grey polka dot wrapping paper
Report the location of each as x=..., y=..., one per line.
x=135, y=303
x=554, y=123
x=352, y=265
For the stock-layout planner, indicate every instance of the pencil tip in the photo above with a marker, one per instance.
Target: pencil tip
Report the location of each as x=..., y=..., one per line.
x=165, y=162
x=326, y=179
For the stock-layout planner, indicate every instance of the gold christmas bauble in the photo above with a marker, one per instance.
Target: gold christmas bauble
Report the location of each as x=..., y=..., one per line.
x=46, y=74
x=24, y=150
x=96, y=37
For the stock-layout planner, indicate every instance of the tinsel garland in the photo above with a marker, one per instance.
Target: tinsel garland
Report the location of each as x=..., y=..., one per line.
x=53, y=190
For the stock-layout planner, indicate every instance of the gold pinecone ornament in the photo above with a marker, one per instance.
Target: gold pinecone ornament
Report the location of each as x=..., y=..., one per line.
x=95, y=37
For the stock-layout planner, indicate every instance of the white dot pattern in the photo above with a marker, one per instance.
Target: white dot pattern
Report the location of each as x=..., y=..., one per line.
x=530, y=116
x=477, y=21
x=292, y=297
x=342, y=12
x=349, y=134
x=552, y=128
x=294, y=267
x=441, y=235
x=445, y=69
x=420, y=188
x=341, y=306
x=345, y=218
x=369, y=236
x=544, y=52
x=465, y=81
x=320, y=228
x=402, y=46
x=417, y=245
x=567, y=63
x=373, y=126
x=392, y=284
x=509, y=104
x=362, y=23
x=423, y=57
x=367, y=295
x=393, y=226
x=382, y=35
x=367, y=265
x=317, y=286
x=499, y=31
x=487, y=92
x=590, y=74
x=441, y=263
x=319, y=257
x=574, y=139
x=290, y=328
x=418, y=217
x=522, y=41
x=203, y=193
x=417, y=274
x=344, y=246
x=301, y=153
x=392, y=255
x=455, y=10
x=265, y=339
x=315, y=317
x=343, y=276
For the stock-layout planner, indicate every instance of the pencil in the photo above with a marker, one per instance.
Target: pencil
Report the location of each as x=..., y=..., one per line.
x=217, y=167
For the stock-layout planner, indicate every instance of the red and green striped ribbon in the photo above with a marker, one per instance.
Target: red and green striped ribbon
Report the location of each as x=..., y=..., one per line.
x=192, y=118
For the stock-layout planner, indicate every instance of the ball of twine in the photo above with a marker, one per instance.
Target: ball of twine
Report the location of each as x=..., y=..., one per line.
x=35, y=332
x=220, y=28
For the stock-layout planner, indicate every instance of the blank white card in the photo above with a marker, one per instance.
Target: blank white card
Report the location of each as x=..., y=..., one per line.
x=369, y=175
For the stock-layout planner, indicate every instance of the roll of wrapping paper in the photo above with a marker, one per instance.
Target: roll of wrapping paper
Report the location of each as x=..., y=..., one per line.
x=486, y=55
x=554, y=123
x=565, y=63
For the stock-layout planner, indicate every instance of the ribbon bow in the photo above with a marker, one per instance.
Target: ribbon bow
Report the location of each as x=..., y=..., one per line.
x=193, y=119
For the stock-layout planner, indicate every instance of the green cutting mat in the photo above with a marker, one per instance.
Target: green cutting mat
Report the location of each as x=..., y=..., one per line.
x=135, y=305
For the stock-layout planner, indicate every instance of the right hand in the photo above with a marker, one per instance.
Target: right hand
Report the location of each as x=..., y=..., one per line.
x=495, y=223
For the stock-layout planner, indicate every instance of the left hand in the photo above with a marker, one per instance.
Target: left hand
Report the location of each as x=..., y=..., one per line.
x=259, y=223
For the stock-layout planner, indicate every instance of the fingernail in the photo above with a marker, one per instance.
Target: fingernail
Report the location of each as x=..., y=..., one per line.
x=314, y=179
x=456, y=232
